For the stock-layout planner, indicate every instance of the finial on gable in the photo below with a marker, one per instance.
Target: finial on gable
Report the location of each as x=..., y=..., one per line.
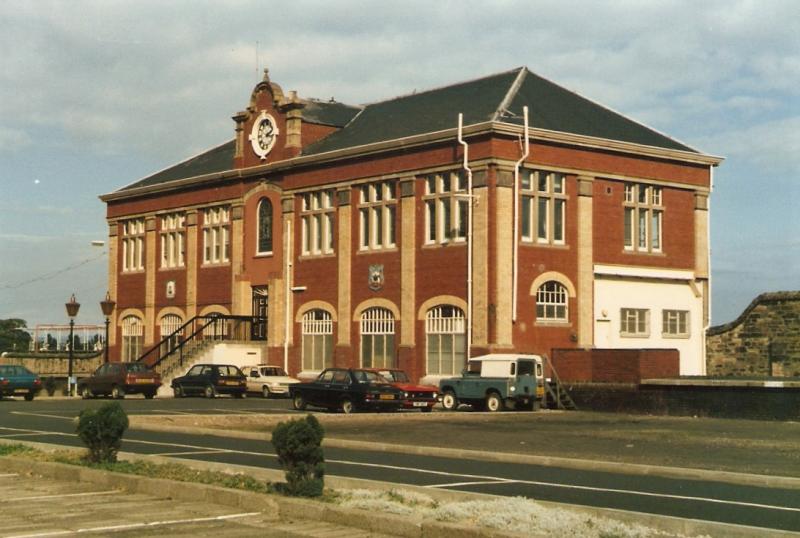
x=266, y=75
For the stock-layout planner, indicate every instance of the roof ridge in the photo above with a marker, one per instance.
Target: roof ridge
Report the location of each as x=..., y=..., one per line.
x=512, y=92
x=168, y=167
x=437, y=88
x=606, y=107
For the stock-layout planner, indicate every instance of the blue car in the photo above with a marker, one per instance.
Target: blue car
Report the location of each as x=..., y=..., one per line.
x=16, y=379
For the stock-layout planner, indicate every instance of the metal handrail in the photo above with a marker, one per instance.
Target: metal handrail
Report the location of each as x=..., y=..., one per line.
x=198, y=330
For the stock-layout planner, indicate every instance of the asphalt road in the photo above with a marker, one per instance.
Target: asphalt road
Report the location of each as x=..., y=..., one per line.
x=50, y=422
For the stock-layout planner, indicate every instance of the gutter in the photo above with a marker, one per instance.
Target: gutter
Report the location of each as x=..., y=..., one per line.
x=486, y=127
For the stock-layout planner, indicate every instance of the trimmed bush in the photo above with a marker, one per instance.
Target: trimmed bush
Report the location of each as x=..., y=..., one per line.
x=101, y=431
x=298, y=444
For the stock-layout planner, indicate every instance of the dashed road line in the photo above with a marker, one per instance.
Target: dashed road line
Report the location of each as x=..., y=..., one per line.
x=60, y=496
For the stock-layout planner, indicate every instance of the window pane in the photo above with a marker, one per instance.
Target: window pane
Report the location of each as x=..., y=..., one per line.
x=655, y=230
x=446, y=182
x=390, y=218
x=430, y=185
x=376, y=215
x=542, y=185
x=542, y=218
x=628, y=227
x=558, y=220
x=463, y=218
x=431, y=217
x=526, y=210
x=446, y=217
x=526, y=179
x=364, y=216
x=642, y=228
x=558, y=183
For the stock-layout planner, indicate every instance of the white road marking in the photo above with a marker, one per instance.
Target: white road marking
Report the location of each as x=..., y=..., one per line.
x=42, y=415
x=8, y=475
x=60, y=496
x=489, y=479
x=190, y=452
x=477, y=483
x=18, y=434
x=142, y=525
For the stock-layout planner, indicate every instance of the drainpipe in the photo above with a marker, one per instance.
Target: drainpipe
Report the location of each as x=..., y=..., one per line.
x=708, y=265
x=515, y=251
x=287, y=318
x=469, y=231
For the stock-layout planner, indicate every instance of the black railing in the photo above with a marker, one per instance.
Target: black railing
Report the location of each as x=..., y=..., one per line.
x=196, y=331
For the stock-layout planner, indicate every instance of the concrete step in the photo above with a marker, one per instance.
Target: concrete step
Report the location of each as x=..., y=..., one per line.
x=304, y=529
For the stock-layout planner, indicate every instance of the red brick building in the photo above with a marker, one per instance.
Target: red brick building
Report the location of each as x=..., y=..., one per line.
x=365, y=236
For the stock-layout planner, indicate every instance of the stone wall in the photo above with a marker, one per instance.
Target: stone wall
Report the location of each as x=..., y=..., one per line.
x=763, y=341
x=56, y=365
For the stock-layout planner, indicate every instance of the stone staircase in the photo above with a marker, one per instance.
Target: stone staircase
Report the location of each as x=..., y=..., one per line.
x=175, y=365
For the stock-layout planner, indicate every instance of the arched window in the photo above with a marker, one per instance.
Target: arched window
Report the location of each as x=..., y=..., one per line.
x=317, y=329
x=132, y=338
x=264, y=226
x=170, y=323
x=214, y=329
x=551, y=302
x=377, y=338
x=445, y=329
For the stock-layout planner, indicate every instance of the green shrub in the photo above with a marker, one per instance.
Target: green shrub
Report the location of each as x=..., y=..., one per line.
x=101, y=431
x=298, y=445
x=50, y=385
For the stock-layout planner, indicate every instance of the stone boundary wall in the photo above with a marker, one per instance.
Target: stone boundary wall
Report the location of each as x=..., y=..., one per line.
x=57, y=365
x=615, y=365
x=763, y=341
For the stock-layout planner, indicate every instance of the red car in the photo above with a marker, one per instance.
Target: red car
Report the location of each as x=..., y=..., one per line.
x=422, y=397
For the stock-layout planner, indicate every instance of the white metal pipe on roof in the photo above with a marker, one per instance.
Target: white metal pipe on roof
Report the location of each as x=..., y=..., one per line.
x=515, y=250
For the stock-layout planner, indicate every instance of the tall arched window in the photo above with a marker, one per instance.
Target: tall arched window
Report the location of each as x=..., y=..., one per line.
x=317, y=329
x=170, y=323
x=552, y=302
x=264, y=226
x=377, y=338
x=445, y=329
x=132, y=338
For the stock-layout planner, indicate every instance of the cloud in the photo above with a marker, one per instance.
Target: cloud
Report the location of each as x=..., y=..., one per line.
x=13, y=139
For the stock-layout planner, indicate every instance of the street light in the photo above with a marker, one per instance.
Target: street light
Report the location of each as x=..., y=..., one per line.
x=107, y=306
x=72, y=310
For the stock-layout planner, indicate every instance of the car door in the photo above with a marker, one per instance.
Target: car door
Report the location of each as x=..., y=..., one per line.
x=254, y=380
x=93, y=382
x=318, y=390
x=190, y=380
x=339, y=388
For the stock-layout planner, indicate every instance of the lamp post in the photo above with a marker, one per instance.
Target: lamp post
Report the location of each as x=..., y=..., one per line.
x=107, y=306
x=72, y=310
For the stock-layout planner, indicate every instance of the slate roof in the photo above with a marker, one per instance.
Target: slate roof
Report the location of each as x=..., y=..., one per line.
x=498, y=97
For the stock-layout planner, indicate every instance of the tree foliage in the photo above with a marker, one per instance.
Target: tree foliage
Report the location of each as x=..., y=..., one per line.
x=13, y=337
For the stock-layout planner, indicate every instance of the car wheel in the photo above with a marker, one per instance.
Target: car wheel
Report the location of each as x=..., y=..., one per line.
x=494, y=402
x=449, y=400
x=298, y=402
x=177, y=391
x=29, y=397
x=347, y=406
x=86, y=393
x=117, y=392
x=265, y=392
x=149, y=395
x=239, y=395
x=210, y=391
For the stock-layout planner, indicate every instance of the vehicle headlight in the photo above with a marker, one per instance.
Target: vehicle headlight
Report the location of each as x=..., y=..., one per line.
x=435, y=395
x=405, y=395
x=512, y=388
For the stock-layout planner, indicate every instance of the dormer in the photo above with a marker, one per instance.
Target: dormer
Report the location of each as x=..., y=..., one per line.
x=275, y=127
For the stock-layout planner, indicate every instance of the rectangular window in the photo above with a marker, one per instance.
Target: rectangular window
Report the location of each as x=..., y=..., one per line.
x=675, y=323
x=216, y=236
x=378, y=209
x=317, y=223
x=543, y=205
x=643, y=216
x=635, y=322
x=172, y=240
x=446, y=208
x=133, y=245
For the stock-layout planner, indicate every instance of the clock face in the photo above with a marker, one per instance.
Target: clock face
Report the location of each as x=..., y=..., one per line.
x=263, y=135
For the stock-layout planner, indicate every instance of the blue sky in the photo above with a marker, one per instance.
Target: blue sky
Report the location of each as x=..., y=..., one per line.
x=97, y=94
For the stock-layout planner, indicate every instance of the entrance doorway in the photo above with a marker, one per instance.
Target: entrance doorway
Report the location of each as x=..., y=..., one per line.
x=260, y=312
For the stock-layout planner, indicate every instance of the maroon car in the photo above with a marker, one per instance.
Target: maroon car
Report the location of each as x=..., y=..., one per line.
x=422, y=397
x=116, y=379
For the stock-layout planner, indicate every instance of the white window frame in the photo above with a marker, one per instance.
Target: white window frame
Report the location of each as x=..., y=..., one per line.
x=133, y=245
x=643, y=217
x=445, y=335
x=378, y=338
x=377, y=215
x=317, y=214
x=132, y=338
x=552, y=297
x=316, y=329
x=675, y=323
x=446, y=208
x=216, y=235
x=173, y=240
x=634, y=322
x=543, y=204
x=168, y=324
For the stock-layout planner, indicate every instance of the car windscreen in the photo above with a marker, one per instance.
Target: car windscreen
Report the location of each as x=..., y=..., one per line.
x=136, y=368
x=364, y=376
x=525, y=367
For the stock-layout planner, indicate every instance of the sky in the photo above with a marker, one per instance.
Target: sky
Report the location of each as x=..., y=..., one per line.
x=97, y=94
